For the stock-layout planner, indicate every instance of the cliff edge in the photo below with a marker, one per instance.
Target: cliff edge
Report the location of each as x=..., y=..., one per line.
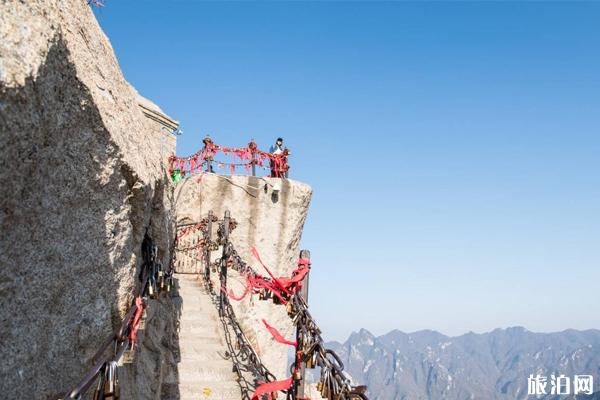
x=270, y=213
x=83, y=180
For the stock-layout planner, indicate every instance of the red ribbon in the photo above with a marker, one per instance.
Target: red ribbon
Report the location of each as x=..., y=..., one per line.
x=231, y=295
x=245, y=154
x=277, y=336
x=135, y=322
x=257, y=256
x=266, y=388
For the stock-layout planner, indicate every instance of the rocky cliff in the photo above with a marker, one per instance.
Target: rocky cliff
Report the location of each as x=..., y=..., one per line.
x=83, y=180
x=270, y=214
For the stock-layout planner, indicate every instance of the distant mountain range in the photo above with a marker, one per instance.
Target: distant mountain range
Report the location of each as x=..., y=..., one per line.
x=427, y=365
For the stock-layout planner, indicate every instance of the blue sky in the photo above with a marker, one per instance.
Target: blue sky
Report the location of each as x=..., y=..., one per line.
x=452, y=146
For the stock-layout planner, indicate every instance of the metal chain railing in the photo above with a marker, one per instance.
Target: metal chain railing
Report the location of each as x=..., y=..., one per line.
x=310, y=349
x=248, y=158
x=119, y=348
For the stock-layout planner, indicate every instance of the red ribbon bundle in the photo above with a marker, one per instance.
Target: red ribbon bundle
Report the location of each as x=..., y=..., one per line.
x=266, y=388
x=247, y=155
x=186, y=231
x=281, y=287
x=135, y=322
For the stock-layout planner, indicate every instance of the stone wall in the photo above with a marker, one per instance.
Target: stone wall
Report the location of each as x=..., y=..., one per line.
x=83, y=180
x=270, y=214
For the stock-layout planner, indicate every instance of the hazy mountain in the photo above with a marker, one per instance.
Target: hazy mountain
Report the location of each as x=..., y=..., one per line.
x=430, y=366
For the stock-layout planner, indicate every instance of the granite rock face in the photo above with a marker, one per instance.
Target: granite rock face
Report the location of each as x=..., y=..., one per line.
x=83, y=180
x=270, y=214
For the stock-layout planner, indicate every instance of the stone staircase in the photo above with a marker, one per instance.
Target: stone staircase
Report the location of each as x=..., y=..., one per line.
x=204, y=373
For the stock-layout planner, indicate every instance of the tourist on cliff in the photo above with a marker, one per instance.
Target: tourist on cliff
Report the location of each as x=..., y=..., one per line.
x=278, y=160
x=208, y=152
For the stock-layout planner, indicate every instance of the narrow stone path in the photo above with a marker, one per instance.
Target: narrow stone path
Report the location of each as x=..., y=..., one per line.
x=204, y=373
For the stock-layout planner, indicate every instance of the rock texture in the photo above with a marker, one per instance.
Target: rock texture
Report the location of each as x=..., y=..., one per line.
x=83, y=179
x=270, y=214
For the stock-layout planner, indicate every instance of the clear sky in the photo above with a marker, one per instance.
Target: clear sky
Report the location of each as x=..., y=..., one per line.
x=453, y=148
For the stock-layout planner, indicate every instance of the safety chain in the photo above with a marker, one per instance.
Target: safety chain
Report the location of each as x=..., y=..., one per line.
x=310, y=348
x=333, y=384
x=250, y=157
x=241, y=351
x=154, y=281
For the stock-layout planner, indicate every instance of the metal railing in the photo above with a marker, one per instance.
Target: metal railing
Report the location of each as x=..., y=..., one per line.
x=310, y=349
x=120, y=347
x=248, y=158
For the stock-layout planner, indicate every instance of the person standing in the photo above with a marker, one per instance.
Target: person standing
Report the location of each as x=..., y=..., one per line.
x=208, y=152
x=276, y=159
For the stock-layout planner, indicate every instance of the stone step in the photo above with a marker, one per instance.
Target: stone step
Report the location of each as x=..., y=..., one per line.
x=193, y=298
x=211, y=371
x=192, y=314
x=210, y=390
x=199, y=352
x=199, y=326
x=209, y=342
x=203, y=371
x=189, y=279
x=191, y=284
x=208, y=375
x=199, y=304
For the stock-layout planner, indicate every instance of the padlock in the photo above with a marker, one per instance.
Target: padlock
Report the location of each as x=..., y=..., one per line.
x=320, y=386
x=290, y=308
x=327, y=384
x=150, y=289
x=111, y=383
x=142, y=325
x=128, y=355
x=298, y=375
x=325, y=390
x=99, y=392
x=310, y=361
x=160, y=279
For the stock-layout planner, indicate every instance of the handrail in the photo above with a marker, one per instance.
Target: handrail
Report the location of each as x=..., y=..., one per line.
x=310, y=347
x=248, y=158
x=153, y=281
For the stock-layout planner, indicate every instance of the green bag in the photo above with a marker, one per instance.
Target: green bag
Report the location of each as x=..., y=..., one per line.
x=177, y=176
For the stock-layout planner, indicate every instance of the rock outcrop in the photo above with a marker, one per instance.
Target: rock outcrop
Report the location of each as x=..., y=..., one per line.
x=270, y=214
x=83, y=180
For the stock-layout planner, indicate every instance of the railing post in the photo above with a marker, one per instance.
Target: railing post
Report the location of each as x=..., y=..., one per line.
x=252, y=147
x=304, y=254
x=207, y=246
x=224, y=256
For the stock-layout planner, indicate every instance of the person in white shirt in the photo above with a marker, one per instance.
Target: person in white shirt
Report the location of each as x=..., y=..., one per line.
x=277, y=148
x=277, y=162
